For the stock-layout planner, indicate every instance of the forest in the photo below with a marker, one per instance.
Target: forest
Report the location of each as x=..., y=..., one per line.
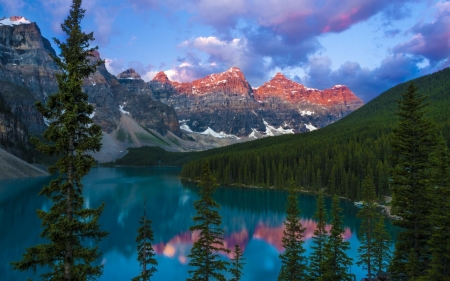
x=336, y=157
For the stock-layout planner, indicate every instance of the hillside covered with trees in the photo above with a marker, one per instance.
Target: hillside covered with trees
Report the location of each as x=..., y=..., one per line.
x=336, y=157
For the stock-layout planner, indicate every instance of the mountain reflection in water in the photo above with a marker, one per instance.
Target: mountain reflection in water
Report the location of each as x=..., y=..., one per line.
x=252, y=218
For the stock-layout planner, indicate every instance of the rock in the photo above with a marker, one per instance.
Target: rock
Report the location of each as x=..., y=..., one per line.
x=225, y=102
x=26, y=63
x=129, y=74
x=137, y=99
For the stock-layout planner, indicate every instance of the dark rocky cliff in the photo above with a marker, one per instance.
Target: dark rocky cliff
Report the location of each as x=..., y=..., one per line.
x=137, y=98
x=28, y=74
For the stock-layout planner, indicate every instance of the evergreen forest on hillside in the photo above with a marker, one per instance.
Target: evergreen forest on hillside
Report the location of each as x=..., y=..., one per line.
x=336, y=157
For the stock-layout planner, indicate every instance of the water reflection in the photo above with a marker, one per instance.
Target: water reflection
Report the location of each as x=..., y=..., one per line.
x=252, y=218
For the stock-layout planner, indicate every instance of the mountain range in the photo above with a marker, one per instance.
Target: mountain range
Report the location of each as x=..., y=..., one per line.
x=216, y=110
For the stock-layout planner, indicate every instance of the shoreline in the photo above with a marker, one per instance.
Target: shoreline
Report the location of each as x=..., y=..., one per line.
x=386, y=210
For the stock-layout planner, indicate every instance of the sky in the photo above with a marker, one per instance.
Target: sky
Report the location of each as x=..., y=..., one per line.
x=368, y=45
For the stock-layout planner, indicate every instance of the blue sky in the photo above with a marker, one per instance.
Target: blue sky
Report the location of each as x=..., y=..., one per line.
x=368, y=45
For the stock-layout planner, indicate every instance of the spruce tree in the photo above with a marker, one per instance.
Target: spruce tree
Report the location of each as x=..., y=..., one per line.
x=381, y=245
x=374, y=250
x=68, y=225
x=412, y=142
x=293, y=260
x=204, y=254
x=144, y=248
x=336, y=261
x=317, y=257
x=439, y=243
x=237, y=264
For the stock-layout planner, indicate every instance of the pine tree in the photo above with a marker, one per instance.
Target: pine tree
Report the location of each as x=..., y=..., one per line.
x=374, y=250
x=440, y=238
x=336, y=261
x=144, y=248
x=317, y=257
x=381, y=246
x=412, y=142
x=237, y=264
x=70, y=135
x=204, y=253
x=293, y=260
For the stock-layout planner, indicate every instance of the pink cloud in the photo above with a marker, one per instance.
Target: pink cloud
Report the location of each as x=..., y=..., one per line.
x=431, y=40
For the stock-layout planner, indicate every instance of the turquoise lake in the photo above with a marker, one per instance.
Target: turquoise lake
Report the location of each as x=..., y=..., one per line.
x=252, y=218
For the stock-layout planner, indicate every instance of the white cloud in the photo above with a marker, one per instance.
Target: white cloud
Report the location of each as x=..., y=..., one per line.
x=59, y=9
x=12, y=6
x=149, y=75
x=115, y=66
x=229, y=53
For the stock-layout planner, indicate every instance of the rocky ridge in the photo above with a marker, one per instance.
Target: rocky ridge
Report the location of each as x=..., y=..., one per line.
x=226, y=103
x=27, y=74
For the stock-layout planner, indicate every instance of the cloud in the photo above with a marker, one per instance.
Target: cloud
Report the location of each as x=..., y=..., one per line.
x=144, y=4
x=293, y=20
x=12, y=6
x=282, y=34
x=104, y=17
x=58, y=9
x=222, y=54
x=115, y=66
x=231, y=52
x=431, y=40
x=364, y=82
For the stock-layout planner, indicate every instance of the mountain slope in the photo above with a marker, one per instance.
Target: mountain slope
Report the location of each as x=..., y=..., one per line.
x=13, y=167
x=336, y=157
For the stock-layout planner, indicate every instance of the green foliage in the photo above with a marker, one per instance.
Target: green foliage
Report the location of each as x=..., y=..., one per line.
x=336, y=157
x=336, y=261
x=381, y=246
x=145, y=250
x=71, y=135
x=316, y=269
x=152, y=156
x=204, y=253
x=374, y=249
x=439, y=243
x=237, y=264
x=293, y=259
x=413, y=140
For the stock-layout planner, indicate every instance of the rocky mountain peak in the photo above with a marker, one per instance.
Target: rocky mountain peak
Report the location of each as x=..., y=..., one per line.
x=279, y=75
x=282, y=88
x=14, y=20
x=95, y=54
x=129, y=74
x=234, y=72
x=161, y=77
x=231, y=81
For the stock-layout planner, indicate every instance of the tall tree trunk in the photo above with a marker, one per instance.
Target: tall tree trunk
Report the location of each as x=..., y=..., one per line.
x=69, y=213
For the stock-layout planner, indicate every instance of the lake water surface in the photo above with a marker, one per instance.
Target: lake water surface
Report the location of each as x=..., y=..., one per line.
x=252, y=218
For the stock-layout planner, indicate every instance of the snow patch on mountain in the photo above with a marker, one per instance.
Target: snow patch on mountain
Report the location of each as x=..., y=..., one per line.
x=220, y=135
x=310, y=127
x=252, y=134
x=306, y=112
x=270, y=129
x=123, y=111
x=14, y=20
